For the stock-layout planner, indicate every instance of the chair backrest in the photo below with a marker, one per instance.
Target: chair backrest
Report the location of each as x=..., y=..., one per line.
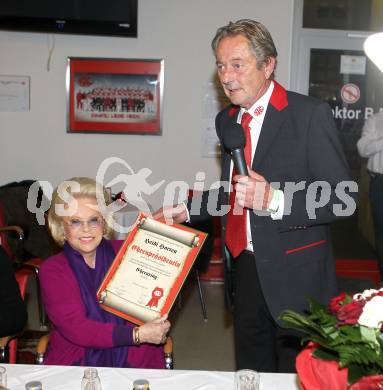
x=3, y=235
x=14, y=211
x=22, y=275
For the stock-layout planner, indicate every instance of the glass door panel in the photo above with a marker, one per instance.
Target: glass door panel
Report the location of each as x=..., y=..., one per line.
x=348, y=82
x=330, y=64
x=357, y=15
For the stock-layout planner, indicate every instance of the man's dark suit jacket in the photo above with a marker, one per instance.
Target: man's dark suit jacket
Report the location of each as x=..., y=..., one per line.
x=13, y=313
x=298, y=143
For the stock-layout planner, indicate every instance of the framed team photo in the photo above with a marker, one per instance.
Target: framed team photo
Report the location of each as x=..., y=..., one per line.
x=114, y=95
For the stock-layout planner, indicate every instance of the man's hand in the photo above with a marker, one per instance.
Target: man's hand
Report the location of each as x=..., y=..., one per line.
x=172, y=214
x=253, y=191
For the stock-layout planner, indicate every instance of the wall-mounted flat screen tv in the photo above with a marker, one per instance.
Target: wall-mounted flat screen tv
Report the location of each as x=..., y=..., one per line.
x=89, y=17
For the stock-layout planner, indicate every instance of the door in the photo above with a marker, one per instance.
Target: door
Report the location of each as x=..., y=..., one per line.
x=329, y=63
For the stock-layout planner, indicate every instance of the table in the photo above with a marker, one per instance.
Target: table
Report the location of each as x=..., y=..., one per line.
x=69, y=378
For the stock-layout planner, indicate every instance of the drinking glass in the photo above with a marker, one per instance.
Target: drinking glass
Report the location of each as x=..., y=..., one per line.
x=246, y=380
x=34, y=385
x=3, y=377
x=91, y=380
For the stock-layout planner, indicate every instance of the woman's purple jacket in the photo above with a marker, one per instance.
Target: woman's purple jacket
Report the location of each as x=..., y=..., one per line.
x=72, y=332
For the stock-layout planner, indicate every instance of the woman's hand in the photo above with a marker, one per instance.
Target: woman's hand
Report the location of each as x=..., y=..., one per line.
x=171, y=214
x=154, y=332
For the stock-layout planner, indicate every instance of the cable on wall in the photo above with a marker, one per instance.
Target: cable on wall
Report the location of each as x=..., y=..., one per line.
x=51, y=46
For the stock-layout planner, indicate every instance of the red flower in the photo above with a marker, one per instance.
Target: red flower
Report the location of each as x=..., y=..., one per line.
x=336, y=303
x=346, y=311
x=350, y=313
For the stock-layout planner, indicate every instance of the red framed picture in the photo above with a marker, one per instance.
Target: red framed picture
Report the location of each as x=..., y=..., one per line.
x=114, y=95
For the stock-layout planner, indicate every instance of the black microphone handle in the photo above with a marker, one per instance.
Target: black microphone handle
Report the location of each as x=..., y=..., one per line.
x=239, y=162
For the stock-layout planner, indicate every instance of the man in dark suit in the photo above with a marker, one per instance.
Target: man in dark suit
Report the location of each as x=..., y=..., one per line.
x=298, y=183
x=13, y=312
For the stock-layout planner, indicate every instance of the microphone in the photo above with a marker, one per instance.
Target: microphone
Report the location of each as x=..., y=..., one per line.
x=234, y=139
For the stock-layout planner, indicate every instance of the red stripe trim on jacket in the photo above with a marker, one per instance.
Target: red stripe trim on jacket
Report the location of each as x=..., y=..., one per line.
x=301, y=248
x=278, y=98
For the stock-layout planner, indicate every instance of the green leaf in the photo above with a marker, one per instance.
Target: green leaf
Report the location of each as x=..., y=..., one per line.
x=355, y=372
x=369, y=336
x=323, y=354
x=300, y=322
x=356, y=347
x=349, y=334
x=347, y=299
x=316, y=307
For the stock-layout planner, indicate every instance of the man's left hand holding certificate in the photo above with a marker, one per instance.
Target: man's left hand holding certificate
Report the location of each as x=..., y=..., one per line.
x=149, y=270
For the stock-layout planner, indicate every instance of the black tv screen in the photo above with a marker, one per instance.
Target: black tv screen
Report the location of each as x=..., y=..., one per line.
x=90, y=17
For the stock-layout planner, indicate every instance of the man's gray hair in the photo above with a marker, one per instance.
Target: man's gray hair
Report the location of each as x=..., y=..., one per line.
x=260, y=41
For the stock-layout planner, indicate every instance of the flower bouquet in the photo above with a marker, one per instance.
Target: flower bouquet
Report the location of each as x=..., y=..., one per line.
x=346, y=342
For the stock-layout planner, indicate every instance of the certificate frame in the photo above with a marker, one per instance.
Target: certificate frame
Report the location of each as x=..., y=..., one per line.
x=14, y=93
x=106, y=95
x=141, y=312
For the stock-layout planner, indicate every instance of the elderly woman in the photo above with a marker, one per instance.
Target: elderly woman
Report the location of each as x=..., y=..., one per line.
x=82, y=333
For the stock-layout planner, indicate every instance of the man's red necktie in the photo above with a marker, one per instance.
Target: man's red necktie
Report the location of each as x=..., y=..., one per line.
x=236, y=237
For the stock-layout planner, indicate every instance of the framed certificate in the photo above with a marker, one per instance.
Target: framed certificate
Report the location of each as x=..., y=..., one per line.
x=14, y=93
x=149, y=270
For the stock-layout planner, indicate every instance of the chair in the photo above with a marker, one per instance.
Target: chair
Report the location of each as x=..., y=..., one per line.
x=8, y=344
x=15, y=206
x=25, y=241
x=41, y=347
x=43, y=342
x=168, y=353
x=32, y=264
x=202, y=261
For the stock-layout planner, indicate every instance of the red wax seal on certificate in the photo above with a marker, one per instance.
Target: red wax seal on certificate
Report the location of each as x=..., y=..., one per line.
x=157, y=294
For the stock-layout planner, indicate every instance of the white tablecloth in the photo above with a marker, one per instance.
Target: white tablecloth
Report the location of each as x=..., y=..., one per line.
x=69, y=378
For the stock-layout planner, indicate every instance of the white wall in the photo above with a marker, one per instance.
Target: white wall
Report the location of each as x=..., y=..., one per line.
x=35, y=145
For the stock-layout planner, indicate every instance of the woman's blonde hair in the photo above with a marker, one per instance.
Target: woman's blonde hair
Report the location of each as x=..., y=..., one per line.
x=77, y=187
